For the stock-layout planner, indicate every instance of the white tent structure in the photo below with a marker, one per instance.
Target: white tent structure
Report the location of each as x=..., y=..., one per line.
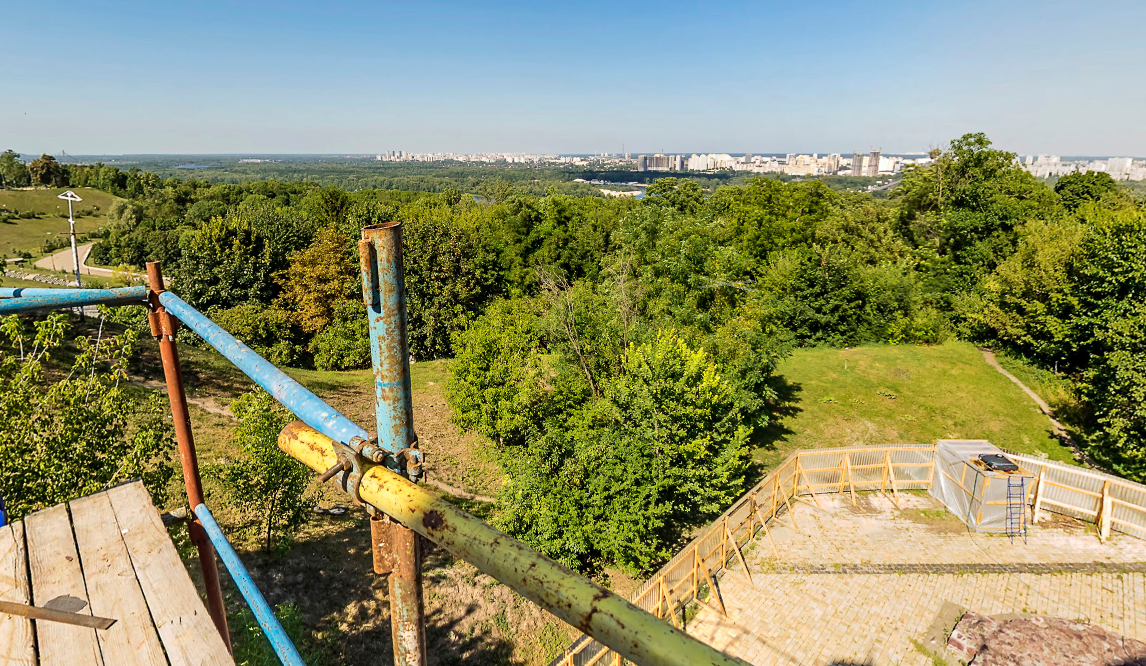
x=977, y=482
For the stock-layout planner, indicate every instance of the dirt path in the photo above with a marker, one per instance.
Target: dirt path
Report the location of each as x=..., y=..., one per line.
x=1056, y=426
x=457, y=492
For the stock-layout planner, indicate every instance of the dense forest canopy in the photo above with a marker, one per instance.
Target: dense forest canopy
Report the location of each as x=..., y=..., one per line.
x=620, y=352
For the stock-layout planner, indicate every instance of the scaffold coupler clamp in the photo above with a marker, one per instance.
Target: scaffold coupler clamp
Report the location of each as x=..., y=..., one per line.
x=352, y=460
x=410, y=460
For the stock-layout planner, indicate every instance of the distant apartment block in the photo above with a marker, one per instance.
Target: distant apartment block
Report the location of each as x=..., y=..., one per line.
x=1052, y=166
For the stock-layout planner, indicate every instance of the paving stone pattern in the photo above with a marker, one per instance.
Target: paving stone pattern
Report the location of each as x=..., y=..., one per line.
x=858, y=585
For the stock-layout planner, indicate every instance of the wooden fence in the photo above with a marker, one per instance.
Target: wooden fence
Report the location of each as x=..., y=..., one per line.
x=1108, y=501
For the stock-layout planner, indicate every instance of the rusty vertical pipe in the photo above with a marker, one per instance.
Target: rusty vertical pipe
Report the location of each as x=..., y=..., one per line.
x=407, y=619
x=381, y=541
x=163, y=327
x=384, y=294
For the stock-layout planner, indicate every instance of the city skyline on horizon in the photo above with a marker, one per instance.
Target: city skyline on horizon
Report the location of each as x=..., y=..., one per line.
x=255, y=77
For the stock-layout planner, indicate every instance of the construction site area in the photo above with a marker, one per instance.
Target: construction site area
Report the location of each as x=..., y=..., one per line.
x=852, y=559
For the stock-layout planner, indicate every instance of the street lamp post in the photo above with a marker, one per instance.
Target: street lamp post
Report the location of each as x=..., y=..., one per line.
x=71, y=196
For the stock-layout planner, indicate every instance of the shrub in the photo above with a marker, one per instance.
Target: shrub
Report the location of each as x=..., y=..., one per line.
x=267, y=485
x=265, y=329
x=344, y=343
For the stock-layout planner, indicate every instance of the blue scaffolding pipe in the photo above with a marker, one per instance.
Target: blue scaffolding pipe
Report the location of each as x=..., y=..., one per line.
x=23, y=300
x=306, y=406
x=274, y=631
x=18, y=292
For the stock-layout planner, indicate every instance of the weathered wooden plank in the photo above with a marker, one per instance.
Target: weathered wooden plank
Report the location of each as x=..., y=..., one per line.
x=55, y=567
x=112, y=589
x=189, y=636
x=17, y=646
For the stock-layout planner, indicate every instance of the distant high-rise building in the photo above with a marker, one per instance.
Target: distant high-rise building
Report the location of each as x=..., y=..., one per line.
x=873, y=164
x=642, y=163
x=857, y=163
x=678, y=165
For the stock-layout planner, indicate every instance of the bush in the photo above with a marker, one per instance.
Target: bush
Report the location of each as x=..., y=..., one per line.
x=131, y=317
x=265, y=329
x=344, y=343
x=73, y=433
x=267, y=485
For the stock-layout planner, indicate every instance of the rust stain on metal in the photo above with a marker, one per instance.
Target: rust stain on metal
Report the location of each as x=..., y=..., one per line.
x=432, y=520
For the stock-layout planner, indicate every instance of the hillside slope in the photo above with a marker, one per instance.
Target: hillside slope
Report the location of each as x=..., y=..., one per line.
x=902, y=394
x=29, y=234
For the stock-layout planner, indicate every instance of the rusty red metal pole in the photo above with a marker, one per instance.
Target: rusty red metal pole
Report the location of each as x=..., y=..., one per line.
x=380, y=543
x=163, y=327
x=384, y=294
x=407, y=618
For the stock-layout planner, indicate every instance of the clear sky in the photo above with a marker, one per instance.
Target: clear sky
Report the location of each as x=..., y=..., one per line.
x=342, y=77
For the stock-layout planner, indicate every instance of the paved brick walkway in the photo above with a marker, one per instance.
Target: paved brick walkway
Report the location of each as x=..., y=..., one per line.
x=859, y=585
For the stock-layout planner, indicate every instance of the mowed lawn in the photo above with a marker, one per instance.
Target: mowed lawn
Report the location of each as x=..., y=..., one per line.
x=29, y=235
x=868, y=396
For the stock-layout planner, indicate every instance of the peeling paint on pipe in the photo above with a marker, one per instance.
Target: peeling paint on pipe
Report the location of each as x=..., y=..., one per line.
x=608, y=618
x=384, y=294
x=305, y=405
x=18, y=299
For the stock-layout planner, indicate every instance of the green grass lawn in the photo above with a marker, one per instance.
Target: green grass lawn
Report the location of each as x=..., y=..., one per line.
x=28, y=235
x=868, y=396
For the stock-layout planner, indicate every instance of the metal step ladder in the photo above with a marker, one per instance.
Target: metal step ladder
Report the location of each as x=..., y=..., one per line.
x=1017, y=507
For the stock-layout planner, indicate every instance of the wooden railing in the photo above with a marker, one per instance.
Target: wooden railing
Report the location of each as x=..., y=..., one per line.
x=1108, y=501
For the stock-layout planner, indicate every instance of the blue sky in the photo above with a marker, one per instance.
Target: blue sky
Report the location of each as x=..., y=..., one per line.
x=311, y=77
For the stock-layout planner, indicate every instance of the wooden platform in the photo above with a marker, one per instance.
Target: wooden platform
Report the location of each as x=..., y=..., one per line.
x=112, y=552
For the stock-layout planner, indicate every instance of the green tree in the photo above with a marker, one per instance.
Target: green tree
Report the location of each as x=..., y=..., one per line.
x=319, y=278
x=46, y=171
x=267, y=485
x=1076, y=189
x=73, y=430
x=344, y=343
x=451, y=272
x=496, y=375
x=682, y=194
x=662, y=449
x=225, y=262
x=1110, y=332
x=1028, y=303
x=962, y=210
x=13, y=172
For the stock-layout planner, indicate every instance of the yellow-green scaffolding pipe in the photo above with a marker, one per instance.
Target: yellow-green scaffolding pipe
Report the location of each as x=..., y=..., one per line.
x=638, y=636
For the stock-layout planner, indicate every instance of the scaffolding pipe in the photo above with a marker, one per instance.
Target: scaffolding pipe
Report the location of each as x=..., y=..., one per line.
x=384, y=295
x=262, y=611
x=607, y=617
x=163, y=327
x=294, y=396
x=19, y=292
x=21, y=300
